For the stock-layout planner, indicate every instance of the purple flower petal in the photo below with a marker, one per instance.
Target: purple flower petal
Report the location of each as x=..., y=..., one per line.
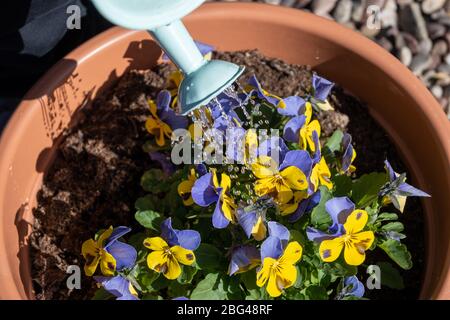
x=317, y=236
x=203, y=191
x=392, y=174
x=300, y=159
x=408, y=190
x=163, y=101
x=253, y=81
x=201, y=169
x=292, y=128
x=322, y=87
x=265, y=148
x=339, y=209
x=247, y=220
x=124, y=254
x=174, y=120
x=180, y=298
x=164, y=161
x=293, y=107
x=168, y=233
x=356, y=288
x=117, y=233
x=317, y=154
x=188, y=239
x=219, y=221
x=117, y=286
x=278, y=230
x=305, y=205
x=271, y=247
x=242, y=257
x=348, y=152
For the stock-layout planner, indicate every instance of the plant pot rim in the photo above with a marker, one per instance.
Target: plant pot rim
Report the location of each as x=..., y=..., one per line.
x=257, y=13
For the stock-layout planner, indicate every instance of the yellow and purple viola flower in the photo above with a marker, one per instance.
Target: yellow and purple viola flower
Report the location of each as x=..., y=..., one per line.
x=352, y=288
x=348, y=154
x=299, y=129
x=397, y=190
x=278, y=258
x=243, y=258
x=345, y=234
x=254, y=88
x=223, y=114
x=208, y=190
x=321, y=88
x=252, y=218
x=163, y=120
x=107, y=251
x=119, y=287
x=173, y=248
x=185, y=188
x=280, y=181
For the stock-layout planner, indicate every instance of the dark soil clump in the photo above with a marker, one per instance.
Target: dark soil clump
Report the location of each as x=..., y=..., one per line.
x=94, y=180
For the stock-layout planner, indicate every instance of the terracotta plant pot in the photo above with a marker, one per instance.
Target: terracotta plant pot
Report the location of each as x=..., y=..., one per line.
x=397, y=100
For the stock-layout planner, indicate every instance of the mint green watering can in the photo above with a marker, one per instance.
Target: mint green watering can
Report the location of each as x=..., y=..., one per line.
x=203, y=80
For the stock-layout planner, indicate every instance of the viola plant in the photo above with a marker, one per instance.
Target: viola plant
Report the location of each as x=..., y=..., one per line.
x=281, y=217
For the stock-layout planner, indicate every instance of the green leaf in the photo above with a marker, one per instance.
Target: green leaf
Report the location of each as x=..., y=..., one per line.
x=187, y=275
x=176, y=289
x=149, y=219
x=146, y=279
x=210, y=288
x=365, y=190
x=342, y=185
x=208, y=257
x=397, y=252
x=390, y=276
x=393, y=226
x=319, y=216
x=333, y=143
x=316, y=293
x=102, y=294
x=385, y=216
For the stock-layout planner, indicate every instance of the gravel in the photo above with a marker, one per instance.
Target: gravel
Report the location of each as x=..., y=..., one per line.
x=417, y=32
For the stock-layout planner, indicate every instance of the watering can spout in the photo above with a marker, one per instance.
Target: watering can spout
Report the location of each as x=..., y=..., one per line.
x=203, y=80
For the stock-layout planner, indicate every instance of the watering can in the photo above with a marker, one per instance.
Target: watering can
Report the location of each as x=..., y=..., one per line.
x=203, y=80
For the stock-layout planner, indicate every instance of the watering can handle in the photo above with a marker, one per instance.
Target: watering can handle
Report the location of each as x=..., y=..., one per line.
x=177, y=43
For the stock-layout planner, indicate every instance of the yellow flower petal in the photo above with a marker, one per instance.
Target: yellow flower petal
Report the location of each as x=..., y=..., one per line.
x=263, y=274
x=105, y=235
x=313, y=126
x=173, y=269
x=228, y=207
x=264, y=167
x=331, y=249
x=292, y=254
x=153, y=108
x=284, y=193
x=356, y=246
x=157, y=261
x=184, y=191
x=272, y=285
x=183, y=255
x=356, y=221
x=90, y=252
x=155, y=243
x=225, y=182
x=265, y=186
x=286, y=276
x=295, y=178
x=259, y=230
x=107, y=263
x=308, y=112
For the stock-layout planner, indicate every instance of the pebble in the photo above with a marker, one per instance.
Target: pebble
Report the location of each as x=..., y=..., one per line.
x=406, y=56
x=323, y=7
x=343, y=11
x=417, y=31
x=430, y=6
